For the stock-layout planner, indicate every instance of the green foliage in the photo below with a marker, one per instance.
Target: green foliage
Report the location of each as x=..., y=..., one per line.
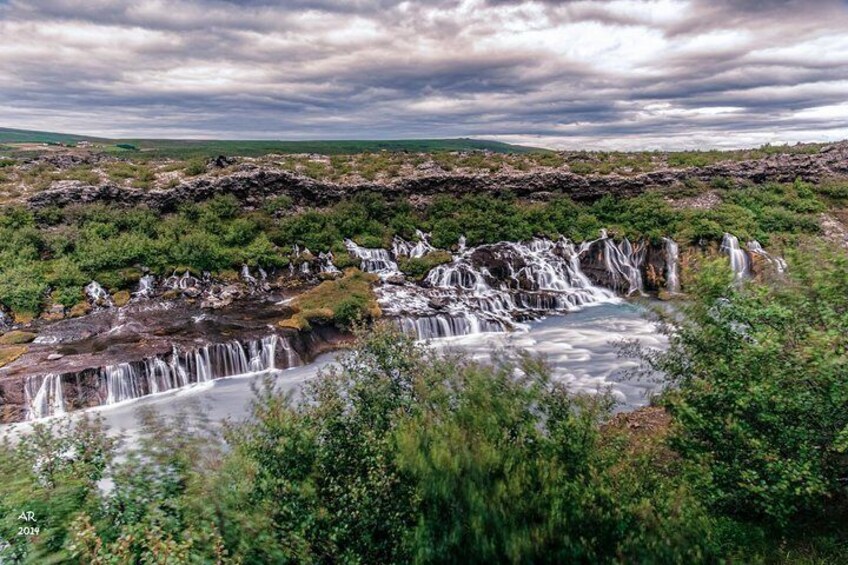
x=195, y=167
x=763, y=389
x=92, y=241
x=417, y=267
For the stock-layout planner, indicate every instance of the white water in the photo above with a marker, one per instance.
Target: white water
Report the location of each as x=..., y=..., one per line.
x=419, y=249
x=43, y=396
x=464, y=297
x=97, y=294
x=130, y=381
x=181, y=282
x=146, y=286
x=755, y=248
x=622, y=260
x=326, y=262
x=580, y=349
x=374, y=260
x=739, y=261
x=672, y=260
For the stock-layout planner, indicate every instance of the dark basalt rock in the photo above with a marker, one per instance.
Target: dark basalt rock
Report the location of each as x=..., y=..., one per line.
x=252, y=185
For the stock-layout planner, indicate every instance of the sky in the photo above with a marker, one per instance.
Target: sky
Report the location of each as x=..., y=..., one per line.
x=588, y=74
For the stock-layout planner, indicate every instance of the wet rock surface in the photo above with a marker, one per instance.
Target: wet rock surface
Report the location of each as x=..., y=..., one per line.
x=139, y=341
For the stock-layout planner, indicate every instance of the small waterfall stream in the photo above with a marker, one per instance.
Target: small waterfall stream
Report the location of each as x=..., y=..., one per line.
x=672, y=261
x=43, y=396
x=97, y=294
x=373, y=260
x=739, y=261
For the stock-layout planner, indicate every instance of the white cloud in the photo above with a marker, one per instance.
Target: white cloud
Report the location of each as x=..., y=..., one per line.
x=589, y=73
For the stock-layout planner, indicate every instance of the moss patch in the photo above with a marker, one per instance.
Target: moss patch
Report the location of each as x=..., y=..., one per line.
x=16, y=338
x=342, y=301
x=417, y=268
x=10, y=354
x=80, y=309
x=121, y=298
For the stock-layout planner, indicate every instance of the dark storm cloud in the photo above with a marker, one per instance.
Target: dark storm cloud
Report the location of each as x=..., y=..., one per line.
x=617, y=73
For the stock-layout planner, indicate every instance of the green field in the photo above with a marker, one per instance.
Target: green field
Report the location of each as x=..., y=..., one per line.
x=185, y=148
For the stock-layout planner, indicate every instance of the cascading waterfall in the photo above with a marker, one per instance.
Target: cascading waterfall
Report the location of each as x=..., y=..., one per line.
x=326, y=262
x=146, y=286
x=128, y=381
x=672, y=259
x=181, y=282
x=739, y=261
x=623, y=261
x=97, y=294
x=464, y=296
x=246, y=276
x=755, y=248
x=421, y=248
x=373, y=260
x=43, y=396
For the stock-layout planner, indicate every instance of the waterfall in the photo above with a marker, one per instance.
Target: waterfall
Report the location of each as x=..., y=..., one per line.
x=146, y=286
x=181, y=282
x=755, y=248
x=622, y=261
x=739, y=261
x=491, y=288
x=97, y=294
x=326, y=262
x=377, y=261
x=43, y=396
x=431, y=327
x=421, y=248
x=246, y=276
x=672, y=258
x=127, y=381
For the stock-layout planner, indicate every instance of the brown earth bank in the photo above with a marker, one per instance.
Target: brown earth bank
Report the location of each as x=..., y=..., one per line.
x=253, y=183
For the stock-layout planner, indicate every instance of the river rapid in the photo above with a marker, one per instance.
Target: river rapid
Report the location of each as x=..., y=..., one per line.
x=581, y=349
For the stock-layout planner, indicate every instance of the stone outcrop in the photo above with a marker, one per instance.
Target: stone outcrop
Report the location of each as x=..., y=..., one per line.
x=253, y=184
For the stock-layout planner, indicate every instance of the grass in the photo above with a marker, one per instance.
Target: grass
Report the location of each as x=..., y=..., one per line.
x=343, y=301
x=16, y=338
x=11, y=354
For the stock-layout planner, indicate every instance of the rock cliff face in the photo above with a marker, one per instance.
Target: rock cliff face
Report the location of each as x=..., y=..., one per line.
x=253, y=184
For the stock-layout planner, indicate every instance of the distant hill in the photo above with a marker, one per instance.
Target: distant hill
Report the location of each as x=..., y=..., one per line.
x=185, y=148
x=8, y=135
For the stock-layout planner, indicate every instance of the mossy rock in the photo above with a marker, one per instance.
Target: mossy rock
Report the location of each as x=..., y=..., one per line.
x=10, y=354
x=23, y=317
x=228, y=276
x=121, y=298
x=296, y=322
x=17, y=337
x=79, y=309
x=171, y=295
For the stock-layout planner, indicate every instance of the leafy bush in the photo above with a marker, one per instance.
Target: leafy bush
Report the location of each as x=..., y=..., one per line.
x=418, y=267
x=762, y=390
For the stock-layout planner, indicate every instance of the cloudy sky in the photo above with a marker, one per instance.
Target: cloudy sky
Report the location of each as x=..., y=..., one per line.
x=572, y=74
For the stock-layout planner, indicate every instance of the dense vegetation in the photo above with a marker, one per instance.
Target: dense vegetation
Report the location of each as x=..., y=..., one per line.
x=404, y=455
x=49, y=256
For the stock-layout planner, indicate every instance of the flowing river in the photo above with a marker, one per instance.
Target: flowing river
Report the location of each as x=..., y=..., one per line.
x=580, y=348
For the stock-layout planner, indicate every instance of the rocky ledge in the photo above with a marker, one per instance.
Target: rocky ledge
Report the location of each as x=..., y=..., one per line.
x=252, y=184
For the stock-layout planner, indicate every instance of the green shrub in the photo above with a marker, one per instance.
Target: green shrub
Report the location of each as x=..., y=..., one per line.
x=417, y=267
x=195, y=167
x=762, y=390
